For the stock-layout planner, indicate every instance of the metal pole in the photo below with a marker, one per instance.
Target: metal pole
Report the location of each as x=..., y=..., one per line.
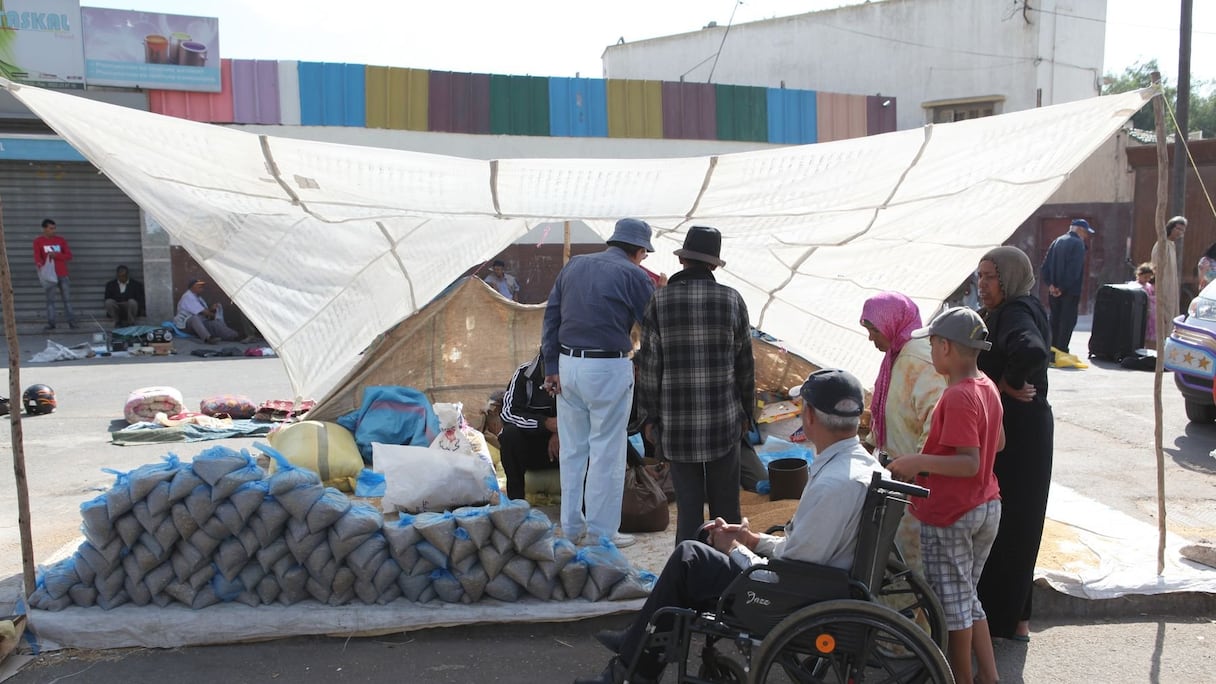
x=14, y=414
x=1167, y=294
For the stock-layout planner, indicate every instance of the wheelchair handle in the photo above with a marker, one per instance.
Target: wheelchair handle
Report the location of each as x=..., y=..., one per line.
x=878, y=482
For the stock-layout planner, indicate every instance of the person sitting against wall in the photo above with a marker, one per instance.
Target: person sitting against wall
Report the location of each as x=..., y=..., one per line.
x=197, y=317
x=528, y=440
x=124, y=298
x=1144, y=279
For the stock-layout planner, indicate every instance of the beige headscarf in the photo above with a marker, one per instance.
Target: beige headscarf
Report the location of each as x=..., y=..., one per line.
x=1014, y=269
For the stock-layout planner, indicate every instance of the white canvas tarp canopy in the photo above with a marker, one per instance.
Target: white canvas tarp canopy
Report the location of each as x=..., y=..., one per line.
x=325, y=246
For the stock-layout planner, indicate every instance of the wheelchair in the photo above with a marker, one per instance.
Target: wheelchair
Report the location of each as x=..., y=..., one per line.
x=790, y=621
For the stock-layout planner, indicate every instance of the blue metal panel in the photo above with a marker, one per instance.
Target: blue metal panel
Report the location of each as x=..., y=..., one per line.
x=38, y=149
x=792, y=117
x=332, y=94
x=578, y=107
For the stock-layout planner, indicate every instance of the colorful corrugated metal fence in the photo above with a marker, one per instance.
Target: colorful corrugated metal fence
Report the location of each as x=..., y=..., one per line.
x=578, y=107
x=329, y=94
x=398, y=98
x=332, y=94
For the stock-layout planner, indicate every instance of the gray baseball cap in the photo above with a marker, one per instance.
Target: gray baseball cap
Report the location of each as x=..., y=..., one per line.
x=960, y=325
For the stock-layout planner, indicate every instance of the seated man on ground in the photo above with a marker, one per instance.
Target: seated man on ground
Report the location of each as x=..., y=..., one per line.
x=124, y=298
x=528, y=440
x=823, y=530
x=196, y=317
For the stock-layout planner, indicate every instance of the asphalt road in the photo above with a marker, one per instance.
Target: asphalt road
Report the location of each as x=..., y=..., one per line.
x=1104, y=438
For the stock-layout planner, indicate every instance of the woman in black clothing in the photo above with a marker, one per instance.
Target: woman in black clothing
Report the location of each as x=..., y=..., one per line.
x=1017, y=363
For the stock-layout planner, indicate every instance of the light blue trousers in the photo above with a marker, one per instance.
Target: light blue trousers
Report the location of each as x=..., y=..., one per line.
x=592, y=417
x=64, y=289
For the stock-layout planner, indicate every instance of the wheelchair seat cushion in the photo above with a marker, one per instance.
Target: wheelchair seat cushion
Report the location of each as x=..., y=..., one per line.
x=766, y=595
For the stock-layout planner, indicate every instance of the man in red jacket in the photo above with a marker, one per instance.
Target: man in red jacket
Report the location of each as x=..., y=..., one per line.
x=51, y=249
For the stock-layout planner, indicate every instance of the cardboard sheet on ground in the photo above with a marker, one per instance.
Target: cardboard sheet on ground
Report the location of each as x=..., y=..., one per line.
x=326, y=246
x=175, y=626
x=1095, y=552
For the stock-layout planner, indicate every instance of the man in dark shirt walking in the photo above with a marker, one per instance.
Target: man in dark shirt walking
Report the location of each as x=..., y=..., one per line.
x=698, y=382
x=594, y=303
x=1063, y=271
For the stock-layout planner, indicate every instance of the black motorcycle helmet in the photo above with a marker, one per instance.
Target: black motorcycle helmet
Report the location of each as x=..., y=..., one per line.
x=38, y=399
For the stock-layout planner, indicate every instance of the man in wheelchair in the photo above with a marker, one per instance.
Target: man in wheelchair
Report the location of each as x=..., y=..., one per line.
x=824, y=529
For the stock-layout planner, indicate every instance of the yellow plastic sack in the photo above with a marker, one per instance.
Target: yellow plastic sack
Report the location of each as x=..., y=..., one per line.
x=543, y=487
x=327, y=449
x=1065, y=360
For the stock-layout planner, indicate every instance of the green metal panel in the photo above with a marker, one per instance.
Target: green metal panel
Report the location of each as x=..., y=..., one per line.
x=519, y=105
x=635, y=109
x=742, y=113
x=397, y=98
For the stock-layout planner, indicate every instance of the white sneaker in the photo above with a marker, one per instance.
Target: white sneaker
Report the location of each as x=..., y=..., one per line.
x=622, y=540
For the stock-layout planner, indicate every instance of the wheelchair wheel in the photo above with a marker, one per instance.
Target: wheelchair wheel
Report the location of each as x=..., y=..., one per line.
x=851, y=642
x=910, y=595
x=716, y=667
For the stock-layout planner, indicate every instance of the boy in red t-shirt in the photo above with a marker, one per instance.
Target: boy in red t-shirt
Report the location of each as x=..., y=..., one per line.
x=959, y=520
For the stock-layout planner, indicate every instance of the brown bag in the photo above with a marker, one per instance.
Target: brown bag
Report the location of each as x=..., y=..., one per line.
x=643, y=505
x=660, y=472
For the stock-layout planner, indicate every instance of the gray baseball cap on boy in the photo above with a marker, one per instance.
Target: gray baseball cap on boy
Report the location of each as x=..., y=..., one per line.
x=959, y=325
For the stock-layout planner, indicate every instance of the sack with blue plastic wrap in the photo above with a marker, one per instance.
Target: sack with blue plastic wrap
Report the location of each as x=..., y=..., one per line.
x=391, y=415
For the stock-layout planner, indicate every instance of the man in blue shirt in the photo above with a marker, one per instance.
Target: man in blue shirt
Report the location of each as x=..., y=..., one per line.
x=592, y=309
x=1064, y=272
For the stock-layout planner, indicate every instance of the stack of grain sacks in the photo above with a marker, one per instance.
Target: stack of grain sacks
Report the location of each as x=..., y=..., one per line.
x=219, y=529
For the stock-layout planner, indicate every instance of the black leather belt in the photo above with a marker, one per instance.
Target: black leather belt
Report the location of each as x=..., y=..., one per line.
x=593, y=353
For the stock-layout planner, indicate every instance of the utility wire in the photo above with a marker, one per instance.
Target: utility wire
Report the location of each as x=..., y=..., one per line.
x=725, y=33
x=1096, y=20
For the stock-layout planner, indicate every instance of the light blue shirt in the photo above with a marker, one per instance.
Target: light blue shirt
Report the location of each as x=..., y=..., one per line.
x=824, y=528
x=594, y=303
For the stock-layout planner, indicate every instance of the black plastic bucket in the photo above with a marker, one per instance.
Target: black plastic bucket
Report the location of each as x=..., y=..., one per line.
x=786, y=478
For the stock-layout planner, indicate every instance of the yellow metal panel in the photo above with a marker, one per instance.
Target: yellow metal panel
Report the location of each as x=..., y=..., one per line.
x=635, y=109
x=397, y=98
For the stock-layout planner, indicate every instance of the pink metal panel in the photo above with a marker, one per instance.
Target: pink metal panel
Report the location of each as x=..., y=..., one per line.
x=255, y=91
x=205, y=107
x=690, y=111
x=840, y=116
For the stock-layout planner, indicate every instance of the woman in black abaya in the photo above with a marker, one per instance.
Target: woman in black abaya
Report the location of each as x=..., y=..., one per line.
x=1017, y=364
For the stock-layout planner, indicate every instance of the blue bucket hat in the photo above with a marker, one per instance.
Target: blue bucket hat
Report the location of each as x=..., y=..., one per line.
x=634, y=232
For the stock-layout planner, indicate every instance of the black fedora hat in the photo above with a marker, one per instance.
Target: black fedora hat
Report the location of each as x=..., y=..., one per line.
x=702, y=244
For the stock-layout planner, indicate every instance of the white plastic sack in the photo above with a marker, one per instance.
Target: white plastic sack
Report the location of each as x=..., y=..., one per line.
x=57, y=352
x=421, y=479
x=457, y=435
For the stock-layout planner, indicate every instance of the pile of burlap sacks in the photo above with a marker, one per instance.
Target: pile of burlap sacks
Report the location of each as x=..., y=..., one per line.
x=220, y=529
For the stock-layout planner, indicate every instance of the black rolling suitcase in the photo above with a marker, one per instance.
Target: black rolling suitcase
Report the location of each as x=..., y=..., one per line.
x=1119, y=315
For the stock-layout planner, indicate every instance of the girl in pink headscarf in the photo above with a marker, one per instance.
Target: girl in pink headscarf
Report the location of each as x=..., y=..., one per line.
x=905, y=392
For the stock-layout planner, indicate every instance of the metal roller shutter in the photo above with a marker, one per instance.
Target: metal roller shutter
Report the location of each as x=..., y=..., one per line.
x=100, y=223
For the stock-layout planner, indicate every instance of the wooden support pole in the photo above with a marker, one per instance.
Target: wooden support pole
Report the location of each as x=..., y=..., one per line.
x=14, y=414
x=566, y=243
x=1166, y=266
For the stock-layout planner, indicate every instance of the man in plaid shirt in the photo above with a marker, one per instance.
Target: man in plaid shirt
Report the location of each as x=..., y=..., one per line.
x=697, y=382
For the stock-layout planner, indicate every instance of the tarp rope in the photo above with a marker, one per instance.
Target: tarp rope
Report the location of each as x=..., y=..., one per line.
x=1191, y=159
